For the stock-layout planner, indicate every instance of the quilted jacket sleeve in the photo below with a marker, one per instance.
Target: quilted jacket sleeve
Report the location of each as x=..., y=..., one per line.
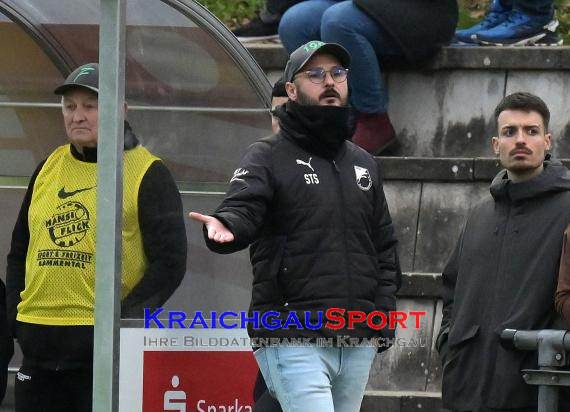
x=244, y=208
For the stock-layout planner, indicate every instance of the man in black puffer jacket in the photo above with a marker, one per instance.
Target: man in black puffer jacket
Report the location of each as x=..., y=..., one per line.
x=312, y=206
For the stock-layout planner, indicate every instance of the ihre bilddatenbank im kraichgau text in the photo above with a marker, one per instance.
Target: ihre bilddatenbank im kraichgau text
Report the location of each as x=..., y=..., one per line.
x=334, y=318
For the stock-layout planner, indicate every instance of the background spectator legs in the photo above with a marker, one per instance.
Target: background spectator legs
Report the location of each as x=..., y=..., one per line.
x=344, y=23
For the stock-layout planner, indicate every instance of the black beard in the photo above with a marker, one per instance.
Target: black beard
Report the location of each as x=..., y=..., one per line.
x=306, y=100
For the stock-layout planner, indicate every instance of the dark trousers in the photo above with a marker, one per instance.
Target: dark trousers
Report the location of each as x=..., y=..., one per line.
x=264, y=402
x=46, y=390
x=532, y=7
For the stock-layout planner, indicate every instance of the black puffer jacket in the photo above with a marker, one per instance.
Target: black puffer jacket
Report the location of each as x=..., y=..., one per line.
x=320, y=230
x=419, y=26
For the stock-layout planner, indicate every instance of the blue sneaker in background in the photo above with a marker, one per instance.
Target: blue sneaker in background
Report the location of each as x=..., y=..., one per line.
x=519, y=29
x=497, y=14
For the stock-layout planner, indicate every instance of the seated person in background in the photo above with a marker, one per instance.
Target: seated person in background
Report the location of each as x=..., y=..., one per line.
x=406, y=30
x=515, y=23
x=51, y=264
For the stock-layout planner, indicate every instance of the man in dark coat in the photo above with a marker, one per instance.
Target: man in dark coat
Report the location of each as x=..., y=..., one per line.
x=503, y=272
x=406, y=31
x=312, y=206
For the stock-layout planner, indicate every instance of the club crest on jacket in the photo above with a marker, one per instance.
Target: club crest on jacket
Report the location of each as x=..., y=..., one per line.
x=363, y=179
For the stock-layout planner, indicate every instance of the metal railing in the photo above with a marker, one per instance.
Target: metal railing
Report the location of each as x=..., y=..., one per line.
x=552, y=346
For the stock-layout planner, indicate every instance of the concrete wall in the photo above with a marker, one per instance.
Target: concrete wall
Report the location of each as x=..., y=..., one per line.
x=445, y=107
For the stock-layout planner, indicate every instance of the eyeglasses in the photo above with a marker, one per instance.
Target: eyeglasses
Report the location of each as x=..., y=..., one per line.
x=318, y=74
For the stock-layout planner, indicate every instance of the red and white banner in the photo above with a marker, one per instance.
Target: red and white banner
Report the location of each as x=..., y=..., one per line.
x=186, y=371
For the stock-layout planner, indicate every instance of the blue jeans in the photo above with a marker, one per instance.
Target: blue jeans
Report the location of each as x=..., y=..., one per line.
x=340, y=21
x=314, y=378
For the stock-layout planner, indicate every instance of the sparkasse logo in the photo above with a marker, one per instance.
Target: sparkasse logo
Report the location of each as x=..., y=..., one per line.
x=198, y=381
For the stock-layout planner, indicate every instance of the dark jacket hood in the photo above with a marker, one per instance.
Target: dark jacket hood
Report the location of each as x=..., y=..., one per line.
x=554, y=178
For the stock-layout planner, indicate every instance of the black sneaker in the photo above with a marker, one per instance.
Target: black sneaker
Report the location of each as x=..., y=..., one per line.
x=256, y=30
x=551, y=39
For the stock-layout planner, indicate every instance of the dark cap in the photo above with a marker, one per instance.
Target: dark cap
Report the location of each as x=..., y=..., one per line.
x=84, y=76
x=301, y=56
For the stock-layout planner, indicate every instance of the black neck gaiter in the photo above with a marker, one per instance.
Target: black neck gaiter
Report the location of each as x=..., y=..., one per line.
x=319, y=129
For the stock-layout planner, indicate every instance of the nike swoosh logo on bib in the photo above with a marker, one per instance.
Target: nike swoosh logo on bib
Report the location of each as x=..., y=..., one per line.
x=64, y=195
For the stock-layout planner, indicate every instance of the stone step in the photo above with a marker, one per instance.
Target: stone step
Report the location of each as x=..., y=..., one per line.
x=448, y=169
x=441, y=169
x=272, y=57
x=421, y=285
x=401, y=401
x=429, y=199
x=444, y=108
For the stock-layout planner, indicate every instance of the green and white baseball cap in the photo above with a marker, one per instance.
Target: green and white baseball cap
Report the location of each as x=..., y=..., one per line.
x=303, y=54
x=84, y=76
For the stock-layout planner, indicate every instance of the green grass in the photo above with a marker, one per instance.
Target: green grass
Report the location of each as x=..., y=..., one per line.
x=236, y=12
x=563, y=12
x=233, y=12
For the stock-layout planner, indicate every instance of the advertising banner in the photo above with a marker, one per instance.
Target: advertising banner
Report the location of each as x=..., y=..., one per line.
x=186, y=370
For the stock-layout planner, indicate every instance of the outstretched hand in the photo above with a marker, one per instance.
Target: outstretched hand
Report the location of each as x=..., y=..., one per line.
x=216, y=229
